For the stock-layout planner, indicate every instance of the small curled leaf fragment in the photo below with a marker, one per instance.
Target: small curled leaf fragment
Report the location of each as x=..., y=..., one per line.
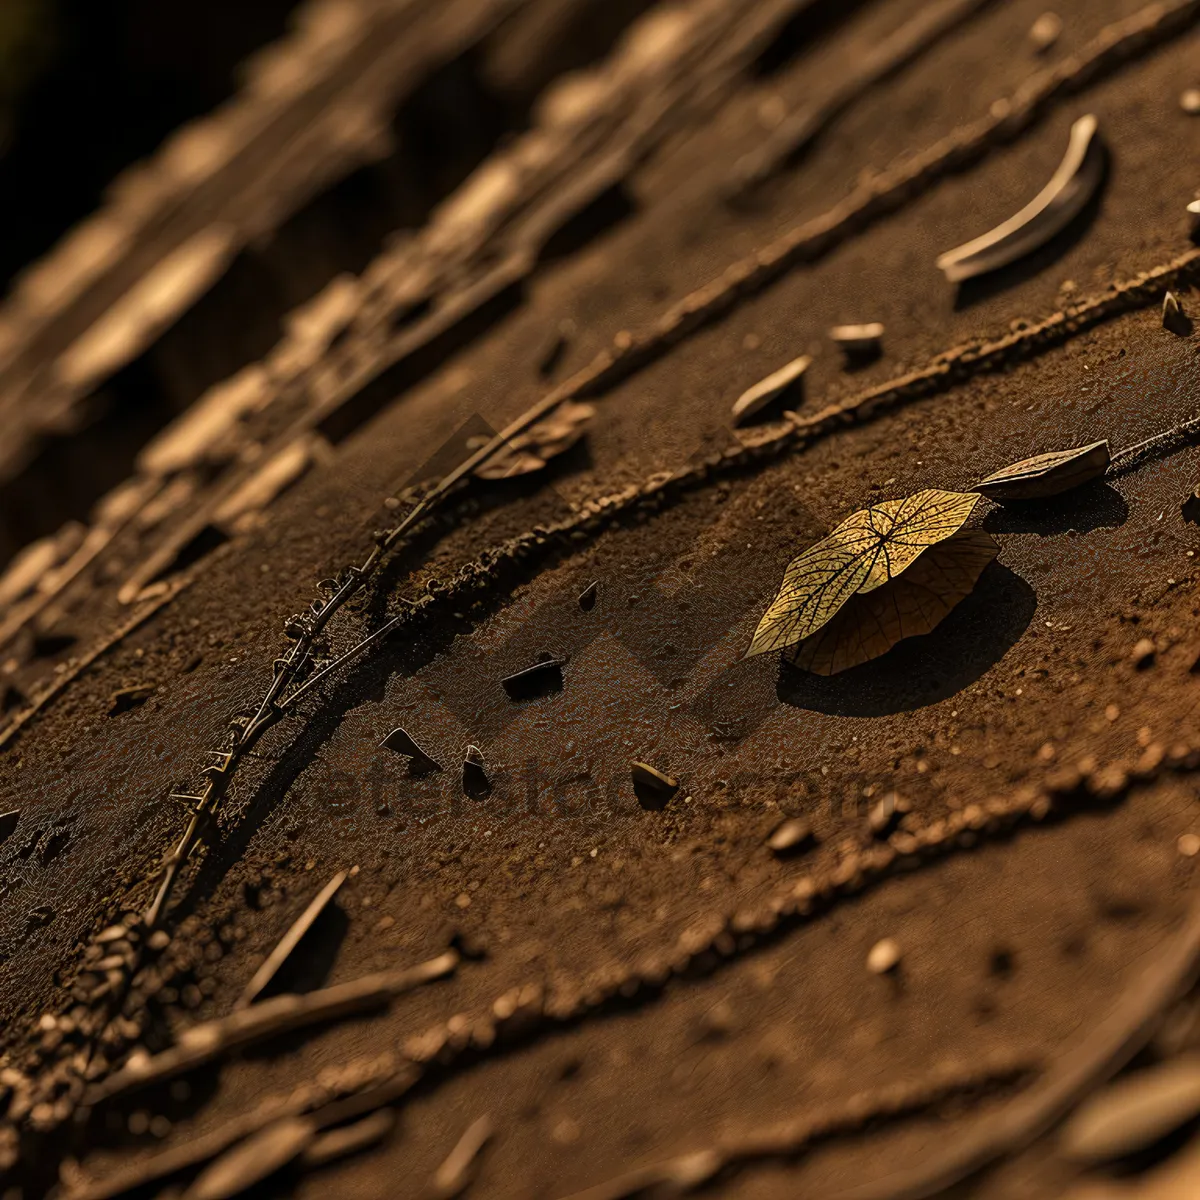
x=1047, y=474
x=530, y=451
x=1071, y=186
x=775, y=387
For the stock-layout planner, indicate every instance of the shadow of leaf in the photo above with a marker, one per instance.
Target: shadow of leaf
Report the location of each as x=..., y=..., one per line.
x=1096, y=505
x=923, y=670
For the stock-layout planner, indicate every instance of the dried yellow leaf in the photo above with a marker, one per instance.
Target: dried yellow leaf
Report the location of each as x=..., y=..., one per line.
x=861, y=554
x=908, y=605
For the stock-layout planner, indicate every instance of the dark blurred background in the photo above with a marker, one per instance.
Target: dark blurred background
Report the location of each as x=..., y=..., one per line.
x=89, y=86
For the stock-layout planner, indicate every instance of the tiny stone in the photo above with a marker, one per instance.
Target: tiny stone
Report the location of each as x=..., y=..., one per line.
x=1189, y=845
x=1189, y=101
x=1045, y=31
x=1111, y=713
x=791, y=835
x=859, y=341
x=886, y=813
x=1134, y=1113
x=1143, y=654
x=884, y=957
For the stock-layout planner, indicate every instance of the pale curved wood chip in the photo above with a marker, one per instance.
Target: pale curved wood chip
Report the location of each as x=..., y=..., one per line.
x=766, y=391
x=531, y=450
x=250, y=1162
x=1047, y=474
x=865, y=551
x=908, y=605
x=1071, y=186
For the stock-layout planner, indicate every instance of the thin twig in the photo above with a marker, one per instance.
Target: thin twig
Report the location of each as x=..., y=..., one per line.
x=289, y=941
x=281, y=1014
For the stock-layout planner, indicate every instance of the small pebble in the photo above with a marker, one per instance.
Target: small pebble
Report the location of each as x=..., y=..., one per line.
x=1189, y=845
x=1189, y=101
x=1045, y=31
x=791, y=835
x=1143, y=654
x=886, y=813
x=884, y=957
x=1134, y=1113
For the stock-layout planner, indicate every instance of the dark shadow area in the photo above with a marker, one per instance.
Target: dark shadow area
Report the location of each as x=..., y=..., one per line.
x=802, y=32
x=106, y=82
x=1096, y=505
x=604, y=212
x=310, y=964
x=923, y=670
x=984, y=287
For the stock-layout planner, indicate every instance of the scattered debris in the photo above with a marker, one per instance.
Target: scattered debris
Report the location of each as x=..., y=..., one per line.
x=1073, y=184
x=1190, y=508
x=1189, y=101
x=1047, y=475
x=792, y=835
x=215, y=1039
x=1134, y=1113
x=543, y=677
x=453, y=1176
x=126, y=698
x=250, y=1162
x=401, y=742
x=1045, y=31
x=589, y=595
x=859, y=341
x=884, y=957
x=531, y=450
x=1174, y=319
x=8, y=823
x=475, y=779
x=652, y=788
x=786, y=383
x=350, y=1139
x=1143, y=653
x=886, y=813
x=865, y=551
x=289, y=941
